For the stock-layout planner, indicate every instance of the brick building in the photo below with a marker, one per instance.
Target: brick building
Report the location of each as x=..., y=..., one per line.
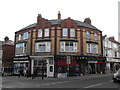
x=62, y=44
x=7, y=54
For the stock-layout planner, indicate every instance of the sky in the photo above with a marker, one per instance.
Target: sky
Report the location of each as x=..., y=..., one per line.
x=17, y=14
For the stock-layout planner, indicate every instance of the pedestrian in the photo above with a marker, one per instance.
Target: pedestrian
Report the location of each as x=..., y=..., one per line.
x=34, y=73
x=19, y=72
x=27, y=73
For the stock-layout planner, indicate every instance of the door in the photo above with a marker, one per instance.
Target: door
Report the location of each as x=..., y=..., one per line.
x=50, y=68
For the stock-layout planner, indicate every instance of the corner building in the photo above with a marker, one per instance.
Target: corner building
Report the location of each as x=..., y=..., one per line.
x=62, y=46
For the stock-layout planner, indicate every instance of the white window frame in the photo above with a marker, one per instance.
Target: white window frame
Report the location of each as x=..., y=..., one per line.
x=47, y=31
x=25, y=35
x=40, y=32
x=19, y=46
x=95, y=36
x=72, y=32
x=19, y=37
x=64, y=48
x=47, y=46
x=65, y=32
x=92, y=48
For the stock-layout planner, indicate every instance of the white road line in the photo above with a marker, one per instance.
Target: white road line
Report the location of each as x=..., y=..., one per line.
x=93, y=85
x=55, y=83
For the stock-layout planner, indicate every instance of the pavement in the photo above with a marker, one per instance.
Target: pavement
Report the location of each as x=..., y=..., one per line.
x=53, y=78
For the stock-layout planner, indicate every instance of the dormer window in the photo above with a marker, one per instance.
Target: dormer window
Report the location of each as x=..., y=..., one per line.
x=65, y=32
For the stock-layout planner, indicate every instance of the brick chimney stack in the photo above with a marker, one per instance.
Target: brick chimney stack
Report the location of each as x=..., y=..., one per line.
x=87, y=20
x=6, y=39
x=39, y=17
x=59, y=15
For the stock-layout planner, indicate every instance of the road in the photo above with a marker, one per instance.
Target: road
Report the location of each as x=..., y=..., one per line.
x=86, y=81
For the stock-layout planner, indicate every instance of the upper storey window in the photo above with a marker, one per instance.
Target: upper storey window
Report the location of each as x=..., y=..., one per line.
x=87, y=34
x=25, y=35
x=72, y=32
x=39, y=32
x=95, y=36
x=19, y=37
x=65, y=32
x=46, y=32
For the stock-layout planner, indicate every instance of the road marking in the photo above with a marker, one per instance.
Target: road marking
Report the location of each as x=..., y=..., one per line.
x=55, y=83
x=93, y=85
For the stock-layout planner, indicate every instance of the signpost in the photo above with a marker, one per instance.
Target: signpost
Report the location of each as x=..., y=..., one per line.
x=68, y=62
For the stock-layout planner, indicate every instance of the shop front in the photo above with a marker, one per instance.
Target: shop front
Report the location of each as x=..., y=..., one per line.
x=22, y=63
x=79, y=65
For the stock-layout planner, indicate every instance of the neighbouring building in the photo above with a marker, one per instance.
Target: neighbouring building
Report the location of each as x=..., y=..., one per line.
x=111, y=52
x=7, y=54
x=59, y=46
x=1, y=56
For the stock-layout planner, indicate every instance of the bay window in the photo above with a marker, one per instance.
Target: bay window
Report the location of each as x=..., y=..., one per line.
x=67, y=46
x=20, y=48
x=42, y=46
x=92, y=48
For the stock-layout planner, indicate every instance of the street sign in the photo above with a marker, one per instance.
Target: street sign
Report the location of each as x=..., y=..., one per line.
x=68, y=60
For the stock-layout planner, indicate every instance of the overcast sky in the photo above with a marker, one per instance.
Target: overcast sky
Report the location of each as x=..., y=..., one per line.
x=17, y=14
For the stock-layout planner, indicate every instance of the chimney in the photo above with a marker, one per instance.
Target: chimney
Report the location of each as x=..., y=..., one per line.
x=87, y=20
x=6, y=39
x=59, y=15
x=111, y=38
x=39, y=17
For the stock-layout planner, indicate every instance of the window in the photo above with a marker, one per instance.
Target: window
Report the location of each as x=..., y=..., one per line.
x=43, y=46
x=46, y=32
x=68, y=46
x=95, y=36
x=20, y=48
x=40, y=33
x=72, y=32
x=65, y=32
x=87, y=34
x=92, y=48
x=25, y=35
x=19, y=37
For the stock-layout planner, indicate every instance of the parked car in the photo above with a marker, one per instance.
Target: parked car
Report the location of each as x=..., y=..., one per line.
x=116, y=76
